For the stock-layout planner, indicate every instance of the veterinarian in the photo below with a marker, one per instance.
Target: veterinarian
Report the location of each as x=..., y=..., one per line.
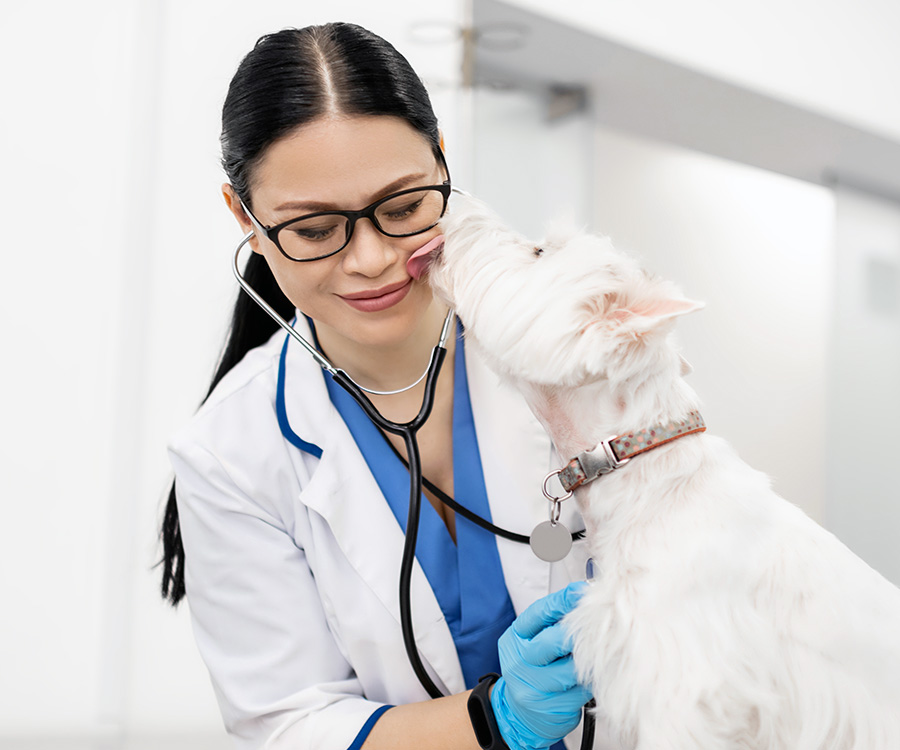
x=285, y=523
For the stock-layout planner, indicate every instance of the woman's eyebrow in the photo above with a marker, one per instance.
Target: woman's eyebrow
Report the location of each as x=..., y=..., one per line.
x=311, y=206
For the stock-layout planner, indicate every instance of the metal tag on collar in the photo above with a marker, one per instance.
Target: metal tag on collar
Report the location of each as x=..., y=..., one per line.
x=551, y=540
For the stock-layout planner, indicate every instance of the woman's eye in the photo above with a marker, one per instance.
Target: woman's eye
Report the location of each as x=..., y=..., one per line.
x=314, y=234
x=404, y=211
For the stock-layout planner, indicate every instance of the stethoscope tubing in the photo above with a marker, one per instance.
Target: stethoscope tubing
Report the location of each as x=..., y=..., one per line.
x=321, y=360
x=407, y=430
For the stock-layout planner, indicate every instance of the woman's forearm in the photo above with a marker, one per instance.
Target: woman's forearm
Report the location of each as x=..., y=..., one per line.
x=439, y=724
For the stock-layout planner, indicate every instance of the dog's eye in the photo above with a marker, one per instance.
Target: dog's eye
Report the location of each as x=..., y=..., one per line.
x=538, y=252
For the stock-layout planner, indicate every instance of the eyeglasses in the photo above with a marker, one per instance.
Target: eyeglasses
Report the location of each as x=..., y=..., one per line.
x=319, y=235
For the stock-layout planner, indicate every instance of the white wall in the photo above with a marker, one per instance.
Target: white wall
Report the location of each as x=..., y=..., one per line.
x=754, y=246
x=528, y=169
x=66, y=153
x=118, y=238
x=863, y=498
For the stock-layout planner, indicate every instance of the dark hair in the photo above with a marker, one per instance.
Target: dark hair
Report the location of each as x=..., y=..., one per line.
x=289, y=79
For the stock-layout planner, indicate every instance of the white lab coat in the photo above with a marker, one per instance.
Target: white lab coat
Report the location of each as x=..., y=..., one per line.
x=292, y=562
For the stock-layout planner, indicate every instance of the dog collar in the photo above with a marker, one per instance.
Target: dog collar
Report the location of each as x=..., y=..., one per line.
x=610, y=454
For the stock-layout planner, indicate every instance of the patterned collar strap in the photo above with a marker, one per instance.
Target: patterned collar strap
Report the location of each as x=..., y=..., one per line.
x=617, y=451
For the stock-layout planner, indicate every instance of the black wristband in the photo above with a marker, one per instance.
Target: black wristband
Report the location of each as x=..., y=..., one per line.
x=481, y=714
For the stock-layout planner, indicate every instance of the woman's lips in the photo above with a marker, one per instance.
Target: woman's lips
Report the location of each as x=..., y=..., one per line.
x=375, y=300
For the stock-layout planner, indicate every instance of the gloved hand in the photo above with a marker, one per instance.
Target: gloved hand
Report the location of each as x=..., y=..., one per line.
x=538, y=700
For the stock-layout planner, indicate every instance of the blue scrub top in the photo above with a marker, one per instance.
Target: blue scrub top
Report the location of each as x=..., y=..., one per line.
x=466, y=577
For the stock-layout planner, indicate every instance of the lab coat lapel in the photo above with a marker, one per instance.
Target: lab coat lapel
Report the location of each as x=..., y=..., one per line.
x=362, y=522
x=515, y=455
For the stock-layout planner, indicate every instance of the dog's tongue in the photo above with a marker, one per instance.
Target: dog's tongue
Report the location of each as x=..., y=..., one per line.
x=418, y=262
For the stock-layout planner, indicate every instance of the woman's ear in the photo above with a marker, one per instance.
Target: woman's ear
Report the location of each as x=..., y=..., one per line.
x=237, y=209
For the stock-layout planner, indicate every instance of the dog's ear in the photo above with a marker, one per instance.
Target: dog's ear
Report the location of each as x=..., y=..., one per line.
x=639, y=308
x=647, y=314
x=628, y=325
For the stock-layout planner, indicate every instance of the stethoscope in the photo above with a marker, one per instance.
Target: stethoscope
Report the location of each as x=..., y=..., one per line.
x=408, y=431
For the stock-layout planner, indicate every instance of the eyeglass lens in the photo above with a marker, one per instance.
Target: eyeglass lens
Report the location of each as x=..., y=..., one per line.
x=322, y=234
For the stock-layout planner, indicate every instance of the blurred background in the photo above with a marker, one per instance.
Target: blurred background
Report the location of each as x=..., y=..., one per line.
x=749, y=151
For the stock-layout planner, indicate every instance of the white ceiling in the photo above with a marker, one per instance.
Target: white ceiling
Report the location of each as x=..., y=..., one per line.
x=636, y=92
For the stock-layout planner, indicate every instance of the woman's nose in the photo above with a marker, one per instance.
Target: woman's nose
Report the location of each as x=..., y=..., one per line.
x=369, y=252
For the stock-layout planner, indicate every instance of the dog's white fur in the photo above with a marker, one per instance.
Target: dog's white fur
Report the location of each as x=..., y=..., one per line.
x=721, y=617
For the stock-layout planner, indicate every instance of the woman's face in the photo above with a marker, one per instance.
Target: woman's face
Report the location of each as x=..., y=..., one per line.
x=363, y=295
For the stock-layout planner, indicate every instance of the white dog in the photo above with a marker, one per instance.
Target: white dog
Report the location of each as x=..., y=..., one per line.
x=721, y=617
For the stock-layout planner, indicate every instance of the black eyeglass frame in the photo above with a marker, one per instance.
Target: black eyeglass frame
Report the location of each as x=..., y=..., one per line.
x=353, y=216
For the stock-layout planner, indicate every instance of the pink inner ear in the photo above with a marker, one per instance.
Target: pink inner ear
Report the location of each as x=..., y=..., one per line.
x=662, y=308
x=651, y=310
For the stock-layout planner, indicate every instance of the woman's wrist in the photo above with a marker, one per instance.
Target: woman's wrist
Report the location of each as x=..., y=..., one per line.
x=481, y=714
x=438, y=724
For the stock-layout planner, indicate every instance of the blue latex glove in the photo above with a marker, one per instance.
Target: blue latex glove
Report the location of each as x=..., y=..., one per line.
x=538, y=700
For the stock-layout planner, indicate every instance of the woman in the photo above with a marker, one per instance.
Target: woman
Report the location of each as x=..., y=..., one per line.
x=291, y=505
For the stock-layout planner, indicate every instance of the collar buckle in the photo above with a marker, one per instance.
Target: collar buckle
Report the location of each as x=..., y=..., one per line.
x=589, y=465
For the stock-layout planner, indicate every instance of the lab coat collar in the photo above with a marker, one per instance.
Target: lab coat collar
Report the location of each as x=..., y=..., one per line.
x=362, y=522
x=515, y=453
